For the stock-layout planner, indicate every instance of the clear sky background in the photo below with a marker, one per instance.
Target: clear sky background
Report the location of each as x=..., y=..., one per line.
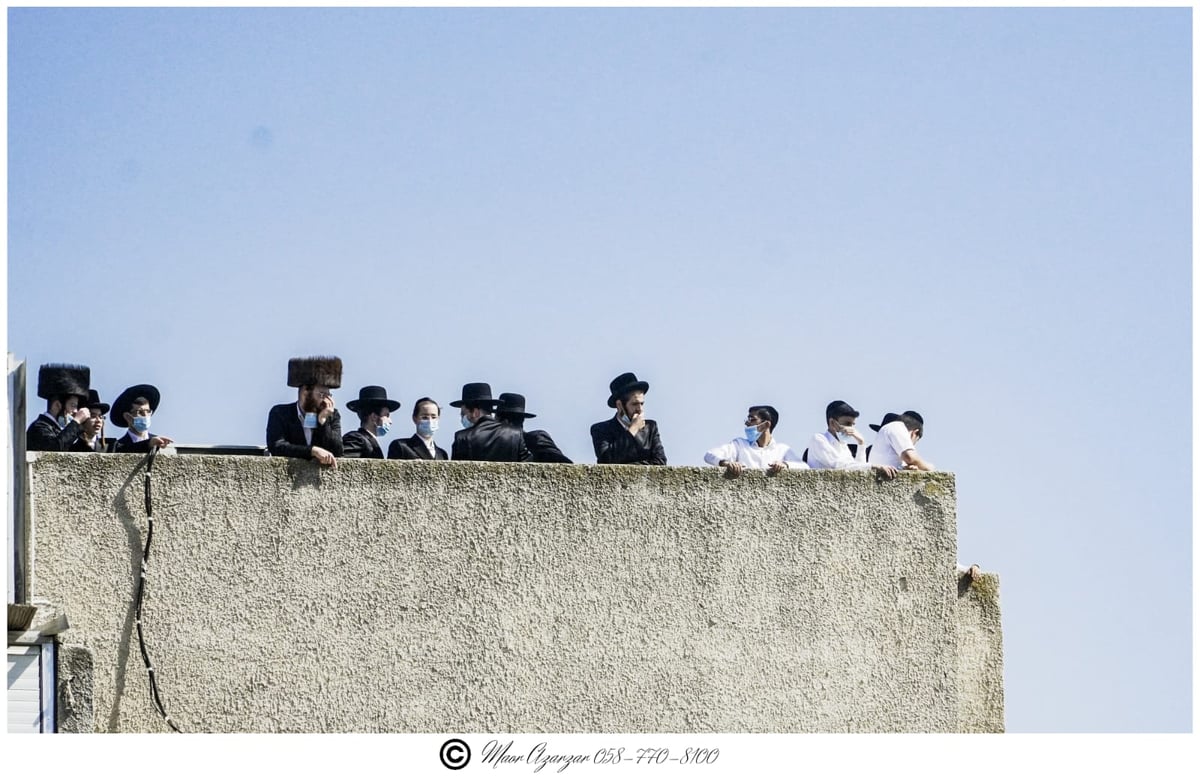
x=984, y=215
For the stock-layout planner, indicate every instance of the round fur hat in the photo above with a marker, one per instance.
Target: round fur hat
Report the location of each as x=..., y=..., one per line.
x=56, y=380
x=315, y=370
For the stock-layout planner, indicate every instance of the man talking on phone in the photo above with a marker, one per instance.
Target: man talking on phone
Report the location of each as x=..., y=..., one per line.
x=628, y=437
x=310, y=427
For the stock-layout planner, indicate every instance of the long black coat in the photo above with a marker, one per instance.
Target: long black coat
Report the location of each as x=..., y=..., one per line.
x=44, y=434
x=490, y=440
x=543, y=448
x=285, y=433
x=414, y=449
x=361, y=444
x=614, y=444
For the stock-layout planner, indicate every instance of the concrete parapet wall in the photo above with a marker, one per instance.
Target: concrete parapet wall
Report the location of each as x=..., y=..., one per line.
x=413, y=596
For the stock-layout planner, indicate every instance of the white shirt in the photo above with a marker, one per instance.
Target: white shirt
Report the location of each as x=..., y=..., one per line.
x=826, y=451
x=891, y=441
x=754, y=457
x=307, y=431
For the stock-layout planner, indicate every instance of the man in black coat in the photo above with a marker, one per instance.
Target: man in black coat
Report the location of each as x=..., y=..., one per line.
x=91, y=439
x=420, y=446
x=65, y=389
x=512, y=411
x=628, y=437
x=483, y=438
x=133, y=409
x=310, y=427
x=374, y=410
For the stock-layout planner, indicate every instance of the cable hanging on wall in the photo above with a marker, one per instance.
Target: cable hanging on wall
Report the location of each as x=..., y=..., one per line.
x=141, y=589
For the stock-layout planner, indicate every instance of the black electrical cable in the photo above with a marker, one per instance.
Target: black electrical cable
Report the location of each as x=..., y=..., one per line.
x=154, y=696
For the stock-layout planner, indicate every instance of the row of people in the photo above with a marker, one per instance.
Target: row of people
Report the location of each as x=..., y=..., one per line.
x=492, y=428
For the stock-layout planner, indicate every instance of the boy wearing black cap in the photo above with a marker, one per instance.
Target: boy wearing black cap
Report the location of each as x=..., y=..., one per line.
x=830, y=449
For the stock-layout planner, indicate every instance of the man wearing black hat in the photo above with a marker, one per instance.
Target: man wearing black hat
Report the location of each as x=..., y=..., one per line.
x=374, y=410
x=91, y=439
x=420, y=446
x=65, y=389
x=628, y=437
x=896, y=443
x=830, y=449
x=310, y=427
x=512, y=411
x=483, y=438
x=134, y=409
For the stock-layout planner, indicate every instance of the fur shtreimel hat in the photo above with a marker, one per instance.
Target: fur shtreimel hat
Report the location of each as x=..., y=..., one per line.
x=56, y=380
x=315, y=370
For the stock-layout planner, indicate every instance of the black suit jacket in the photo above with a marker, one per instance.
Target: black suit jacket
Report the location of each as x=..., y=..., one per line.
x=285, y=433
x=81, y=445
x=413, y=449
x=125, y=444
x=361, y=444
x=614, y=444
x=45, y=435
x=490, y=440
x=543, y=448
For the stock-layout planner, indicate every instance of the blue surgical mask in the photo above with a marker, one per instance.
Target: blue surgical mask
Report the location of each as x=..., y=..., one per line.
x=625, y=419
x=426, y=428
x=752, y=434
x=467, y=422
x=382, y=428
x=310, y=420
x=844, y=437
x=141, y=424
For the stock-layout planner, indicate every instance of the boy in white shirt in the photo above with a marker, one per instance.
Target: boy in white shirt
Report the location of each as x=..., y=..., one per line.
x=896, y=443
x=830, y=449
x=757, y=449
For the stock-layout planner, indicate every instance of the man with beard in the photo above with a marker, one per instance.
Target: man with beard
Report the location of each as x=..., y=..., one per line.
x=65, y=389
x=310, y=427
x=628, y=437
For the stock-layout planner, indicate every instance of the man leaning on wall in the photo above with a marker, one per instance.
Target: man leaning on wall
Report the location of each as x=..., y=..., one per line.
x=310, y=427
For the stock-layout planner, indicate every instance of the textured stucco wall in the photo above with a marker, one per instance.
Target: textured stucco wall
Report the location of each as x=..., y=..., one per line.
x=421, y=597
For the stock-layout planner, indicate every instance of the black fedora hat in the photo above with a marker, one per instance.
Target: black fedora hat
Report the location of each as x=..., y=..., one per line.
x=888, y=418
x=56, y=380
x=124, y=402
x=513, y=404
x=370, y=397
x=476, y=393
x=94, y=403
x=623, y=384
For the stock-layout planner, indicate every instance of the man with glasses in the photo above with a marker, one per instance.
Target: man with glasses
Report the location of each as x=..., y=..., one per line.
x=91, y=438
x=310, y=427
x=830, y=449
x=133, y=410
x=756, y=448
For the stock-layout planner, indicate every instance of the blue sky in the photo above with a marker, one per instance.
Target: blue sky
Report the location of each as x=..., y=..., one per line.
x=984, y=215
